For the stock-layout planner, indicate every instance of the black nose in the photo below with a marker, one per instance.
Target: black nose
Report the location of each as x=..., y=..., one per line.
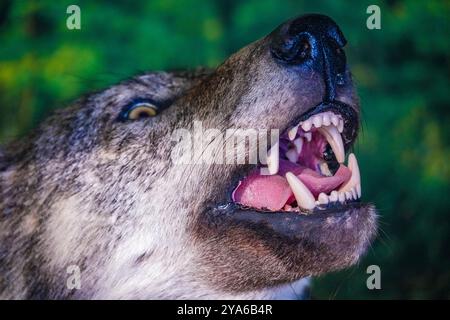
x=315, y=41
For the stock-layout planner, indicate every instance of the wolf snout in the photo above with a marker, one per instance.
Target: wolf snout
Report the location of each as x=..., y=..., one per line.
x=314, y=41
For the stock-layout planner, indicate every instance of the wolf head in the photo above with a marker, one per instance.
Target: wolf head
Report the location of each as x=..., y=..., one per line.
x=118, y=185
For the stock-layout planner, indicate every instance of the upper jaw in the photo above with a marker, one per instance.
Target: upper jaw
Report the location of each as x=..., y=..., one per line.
x=348, y=114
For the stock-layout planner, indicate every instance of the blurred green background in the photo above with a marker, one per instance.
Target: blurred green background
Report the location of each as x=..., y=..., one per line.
x=402, y=72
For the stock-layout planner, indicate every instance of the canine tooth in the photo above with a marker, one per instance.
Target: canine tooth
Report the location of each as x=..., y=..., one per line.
x=341, y=197
x=333, y=196
x=292, y=155
x=308, y=136
x=323, y=198
x=317, y=121
x=326, y=121
x=304, y=197
x=341, y=125
x=334, y=120
x=293, y=133
x=298, y=143
x=273, y=159
x=306, y=125
x=358, y=190
x=355, y=179
x=334, y=138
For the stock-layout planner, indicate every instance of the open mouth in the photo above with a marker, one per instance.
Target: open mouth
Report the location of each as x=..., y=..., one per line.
x=306, y=168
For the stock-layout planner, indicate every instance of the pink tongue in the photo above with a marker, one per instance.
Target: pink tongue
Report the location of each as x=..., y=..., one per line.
x=273, y=192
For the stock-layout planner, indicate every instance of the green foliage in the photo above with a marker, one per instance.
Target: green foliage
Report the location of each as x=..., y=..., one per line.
x=402, y=72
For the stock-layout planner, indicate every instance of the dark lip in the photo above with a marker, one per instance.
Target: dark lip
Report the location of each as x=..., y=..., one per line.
x=329, y=208
x=349, y=115
x=349, y=135
x=287, y=223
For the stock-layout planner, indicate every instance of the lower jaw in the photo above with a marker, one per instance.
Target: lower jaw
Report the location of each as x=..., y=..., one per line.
x=331, y=207
x=330, y=240
x=334, y=208
x=283, y=247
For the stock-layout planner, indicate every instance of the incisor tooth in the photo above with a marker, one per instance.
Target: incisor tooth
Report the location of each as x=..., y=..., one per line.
x=354, y=194
x=273, y=159
x=334, y=120
x=306, y=126
x=341, y=125
x=326, y=121
x=293, y=133
x=298, y=143
x=355, y=179
x=325, y=170
x=304, y=197
x=334, y=138
x=317, y=121
x=333, y=196
x=308, y=136
x=348, y=195
x=341, y=197
x=323, y=198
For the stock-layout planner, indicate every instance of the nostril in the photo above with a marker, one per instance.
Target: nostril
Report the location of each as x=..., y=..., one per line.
x=340, y=79
x=292, y=49
x=304, y=50
x=304, y=39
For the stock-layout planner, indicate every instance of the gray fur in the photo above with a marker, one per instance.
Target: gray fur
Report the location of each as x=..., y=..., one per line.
x=85, y=189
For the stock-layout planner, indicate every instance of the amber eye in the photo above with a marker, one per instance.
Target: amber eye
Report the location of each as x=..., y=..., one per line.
x=142, y=110
x=139, y=110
